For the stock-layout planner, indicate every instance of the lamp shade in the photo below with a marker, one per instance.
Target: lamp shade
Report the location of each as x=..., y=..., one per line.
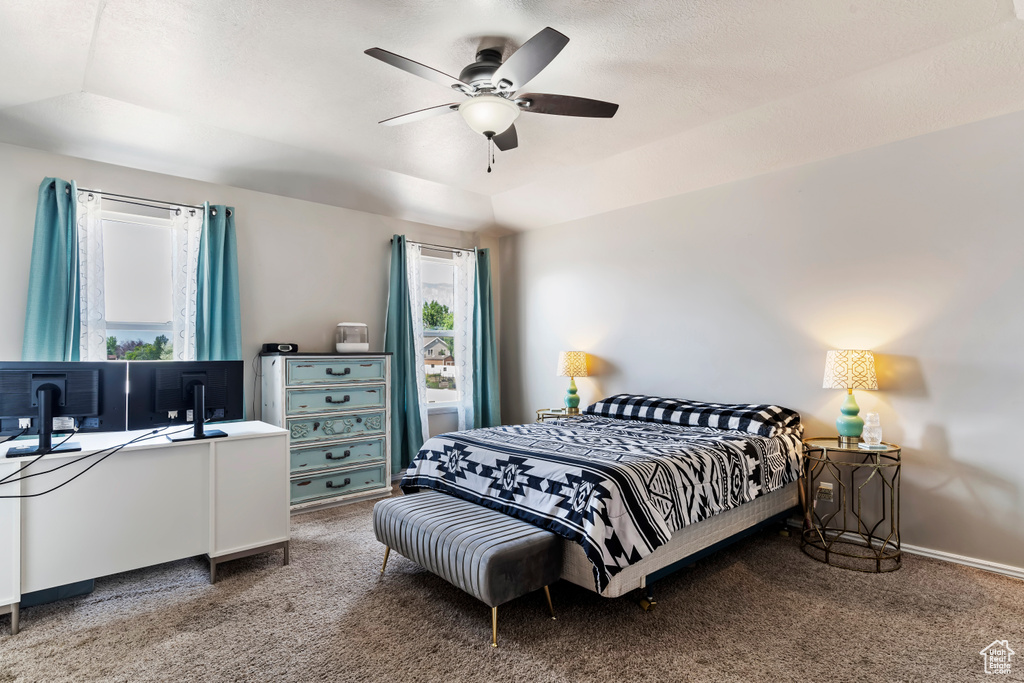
x=489, y=113
x=572, y=364
x=850, y=369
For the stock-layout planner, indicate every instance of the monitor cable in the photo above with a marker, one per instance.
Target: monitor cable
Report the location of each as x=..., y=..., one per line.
x=113, y=449
x=39, y=457
x=12, y=437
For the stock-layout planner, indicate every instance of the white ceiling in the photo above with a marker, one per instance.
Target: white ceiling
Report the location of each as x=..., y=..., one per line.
x=279, y=97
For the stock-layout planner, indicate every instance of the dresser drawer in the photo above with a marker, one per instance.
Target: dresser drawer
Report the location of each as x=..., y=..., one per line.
x=312, y=429
x=326, y=400
x=331, y=484
x=300, y=371
x=337, y=455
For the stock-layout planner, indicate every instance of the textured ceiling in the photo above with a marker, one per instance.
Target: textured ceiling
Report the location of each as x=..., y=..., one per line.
x=278, y=97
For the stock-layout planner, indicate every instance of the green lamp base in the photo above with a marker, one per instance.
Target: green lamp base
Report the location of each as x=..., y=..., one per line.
x=572, y=401
x=849, y=424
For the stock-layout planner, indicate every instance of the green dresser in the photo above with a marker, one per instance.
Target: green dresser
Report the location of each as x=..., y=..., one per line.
x=337, y=410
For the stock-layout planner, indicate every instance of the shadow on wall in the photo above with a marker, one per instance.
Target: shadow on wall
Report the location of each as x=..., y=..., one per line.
x=953, y=499
x=601, y=370
x=900, y=376
x=512, y=395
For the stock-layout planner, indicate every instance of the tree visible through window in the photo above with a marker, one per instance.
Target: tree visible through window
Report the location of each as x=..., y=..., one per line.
x=438, y=279
x=137, y=349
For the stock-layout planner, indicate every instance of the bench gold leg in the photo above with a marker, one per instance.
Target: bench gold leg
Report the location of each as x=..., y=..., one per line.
x=551, y=607
x=494, y=627
x=387, y=551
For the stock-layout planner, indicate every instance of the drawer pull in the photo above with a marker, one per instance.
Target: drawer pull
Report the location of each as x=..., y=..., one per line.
x=304, y=483
x=359, y=420
x=366, y=365
x=347, y=371
x=330, y=484
x=344, y=400
x=332, y=456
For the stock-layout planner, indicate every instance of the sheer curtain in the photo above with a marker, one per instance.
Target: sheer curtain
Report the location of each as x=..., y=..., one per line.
x=414, y=266
x=186, y=229
x=92, y=309
x=464, y=263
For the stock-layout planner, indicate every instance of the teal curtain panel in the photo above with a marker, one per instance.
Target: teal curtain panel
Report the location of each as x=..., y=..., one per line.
x=399, y=341
x=486, y=402
x=218, y=312
x=52, y=323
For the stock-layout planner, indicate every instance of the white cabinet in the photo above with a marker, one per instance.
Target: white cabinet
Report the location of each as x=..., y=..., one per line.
x=151, y=502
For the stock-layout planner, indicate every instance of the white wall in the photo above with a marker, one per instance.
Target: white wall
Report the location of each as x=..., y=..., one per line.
x=734, y=293
x=303, y=267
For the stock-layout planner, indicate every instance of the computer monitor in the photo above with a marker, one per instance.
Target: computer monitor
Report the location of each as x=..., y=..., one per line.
x=48, y=398
x=163, y=393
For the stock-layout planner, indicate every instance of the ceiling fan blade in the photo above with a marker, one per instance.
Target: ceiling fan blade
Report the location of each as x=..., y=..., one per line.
x=507, y=140
x=421, y=70
x=529, y=60
x=567, y=105
x=421, y=114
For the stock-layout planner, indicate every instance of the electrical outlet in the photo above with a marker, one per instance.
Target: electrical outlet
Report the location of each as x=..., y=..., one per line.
x=24, y=423
x=824, y=492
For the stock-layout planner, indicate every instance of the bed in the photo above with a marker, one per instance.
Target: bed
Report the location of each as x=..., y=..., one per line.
x=634, y=486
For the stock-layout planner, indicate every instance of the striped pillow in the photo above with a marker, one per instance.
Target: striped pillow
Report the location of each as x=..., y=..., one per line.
x=763, y=420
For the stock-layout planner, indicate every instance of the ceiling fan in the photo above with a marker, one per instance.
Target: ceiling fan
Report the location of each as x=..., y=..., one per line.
x=492, y=88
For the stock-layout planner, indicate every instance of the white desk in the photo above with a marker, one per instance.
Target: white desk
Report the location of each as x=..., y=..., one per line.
x=152, y=502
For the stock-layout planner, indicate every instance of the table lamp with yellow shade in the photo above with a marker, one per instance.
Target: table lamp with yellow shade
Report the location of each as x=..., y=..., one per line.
x=850, y=369
x=572, y=364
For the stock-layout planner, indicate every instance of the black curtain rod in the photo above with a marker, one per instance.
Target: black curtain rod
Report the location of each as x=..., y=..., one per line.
x=124, y=199
x=192, y=210
x=141, y=199
x=438, y=247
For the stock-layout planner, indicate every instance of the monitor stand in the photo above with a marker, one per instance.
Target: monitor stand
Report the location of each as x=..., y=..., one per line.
x=199, y=418
x=45, y=395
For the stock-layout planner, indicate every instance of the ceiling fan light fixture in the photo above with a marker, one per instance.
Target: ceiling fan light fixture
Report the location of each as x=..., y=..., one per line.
x=489, y=114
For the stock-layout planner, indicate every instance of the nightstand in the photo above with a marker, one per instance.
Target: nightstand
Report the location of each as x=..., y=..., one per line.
x=851, y=499
x=553, y=414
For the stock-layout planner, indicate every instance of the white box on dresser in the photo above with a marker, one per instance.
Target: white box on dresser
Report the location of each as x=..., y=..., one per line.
x=337, y=410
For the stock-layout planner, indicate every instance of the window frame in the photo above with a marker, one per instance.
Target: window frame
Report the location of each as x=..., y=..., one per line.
x=150, y=221
x=438, y=407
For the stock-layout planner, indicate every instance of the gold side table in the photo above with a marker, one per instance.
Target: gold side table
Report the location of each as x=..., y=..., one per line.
x=553, y=414
x=860, y=528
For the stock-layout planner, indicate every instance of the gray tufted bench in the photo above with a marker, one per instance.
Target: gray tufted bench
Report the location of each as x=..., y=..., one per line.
x=493, y=557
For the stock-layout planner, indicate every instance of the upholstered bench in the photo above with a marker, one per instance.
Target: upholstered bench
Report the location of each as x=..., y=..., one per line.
x=493, y=557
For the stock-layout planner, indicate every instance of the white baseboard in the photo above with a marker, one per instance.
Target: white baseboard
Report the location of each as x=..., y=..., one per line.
x=994, y=567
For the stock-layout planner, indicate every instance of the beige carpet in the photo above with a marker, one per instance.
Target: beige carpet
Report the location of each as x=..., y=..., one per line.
x=759, y=611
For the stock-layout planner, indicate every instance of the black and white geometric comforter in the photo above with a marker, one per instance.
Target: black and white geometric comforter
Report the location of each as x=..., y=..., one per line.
x=619, y=488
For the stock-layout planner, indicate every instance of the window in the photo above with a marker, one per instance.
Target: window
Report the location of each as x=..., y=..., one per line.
x=137, y=286
x=438, y=280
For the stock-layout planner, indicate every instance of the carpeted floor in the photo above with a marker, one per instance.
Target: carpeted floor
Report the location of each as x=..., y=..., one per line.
x=758, y=611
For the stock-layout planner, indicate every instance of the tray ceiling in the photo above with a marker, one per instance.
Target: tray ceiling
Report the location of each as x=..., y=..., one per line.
x=278, y=96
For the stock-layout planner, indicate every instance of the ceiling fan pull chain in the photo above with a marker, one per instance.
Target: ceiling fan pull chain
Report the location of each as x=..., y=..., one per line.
x=490, y=155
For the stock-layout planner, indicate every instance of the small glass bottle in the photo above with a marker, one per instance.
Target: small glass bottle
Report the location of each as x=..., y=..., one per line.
x=872, y=435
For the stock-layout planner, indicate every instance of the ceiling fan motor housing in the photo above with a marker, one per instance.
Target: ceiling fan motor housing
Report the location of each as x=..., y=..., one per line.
x=479, y=72
x=491, y=88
